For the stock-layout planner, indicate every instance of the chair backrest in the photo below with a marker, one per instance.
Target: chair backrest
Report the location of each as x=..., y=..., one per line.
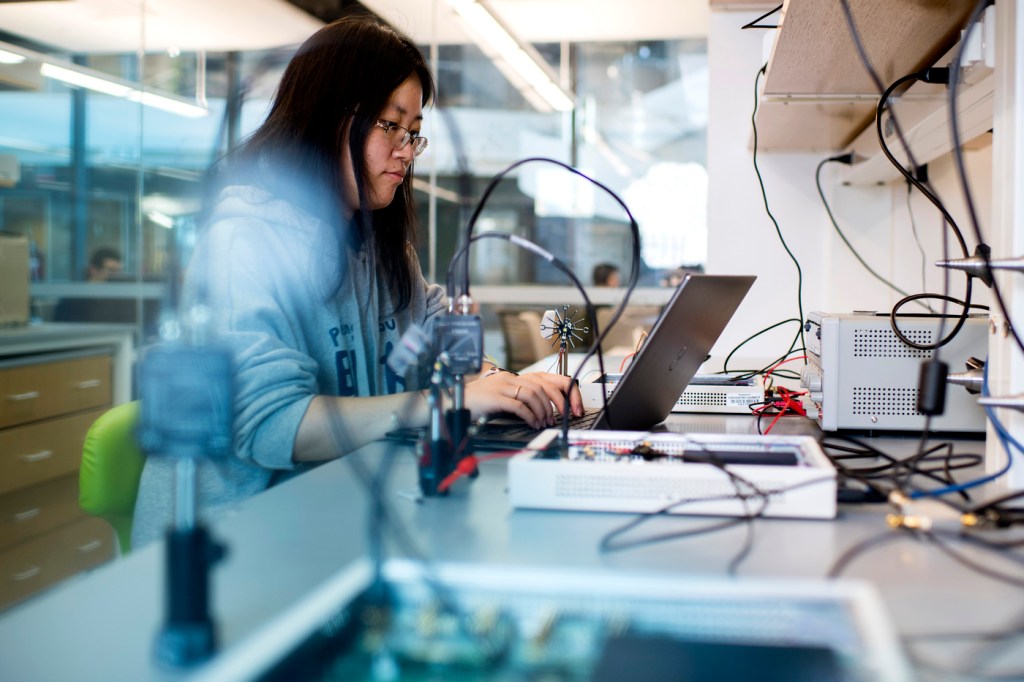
x=108, y=481
x=524, y=344
x=627, y=331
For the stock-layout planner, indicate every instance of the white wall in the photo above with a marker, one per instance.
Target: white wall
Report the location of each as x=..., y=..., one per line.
x=875, y=219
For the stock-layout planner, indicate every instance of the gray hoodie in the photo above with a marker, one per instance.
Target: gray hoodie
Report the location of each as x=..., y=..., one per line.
x=268, y=272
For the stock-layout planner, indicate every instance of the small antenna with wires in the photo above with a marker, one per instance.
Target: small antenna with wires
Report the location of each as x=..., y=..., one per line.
x=565, y=328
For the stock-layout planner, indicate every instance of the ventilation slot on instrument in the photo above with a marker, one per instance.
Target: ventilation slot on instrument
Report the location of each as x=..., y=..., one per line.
x=703, y=398
x=885, y=401
x=883, y=343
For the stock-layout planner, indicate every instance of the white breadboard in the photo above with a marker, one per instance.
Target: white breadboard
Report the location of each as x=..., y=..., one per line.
x=597, y=474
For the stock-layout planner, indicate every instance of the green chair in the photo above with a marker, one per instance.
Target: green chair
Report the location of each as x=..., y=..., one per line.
x=108, y=481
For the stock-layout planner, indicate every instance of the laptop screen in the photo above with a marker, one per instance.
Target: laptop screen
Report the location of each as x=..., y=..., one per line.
x=677, y=345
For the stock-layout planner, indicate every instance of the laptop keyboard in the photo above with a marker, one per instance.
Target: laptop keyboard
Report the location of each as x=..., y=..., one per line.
x=505, y=430
x=522, y=431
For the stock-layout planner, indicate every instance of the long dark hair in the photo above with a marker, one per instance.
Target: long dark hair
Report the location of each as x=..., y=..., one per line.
x=346, y=70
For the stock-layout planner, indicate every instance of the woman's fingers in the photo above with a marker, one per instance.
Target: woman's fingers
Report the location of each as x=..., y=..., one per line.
x=556, y=386
x=533, y=397
x=545, y=395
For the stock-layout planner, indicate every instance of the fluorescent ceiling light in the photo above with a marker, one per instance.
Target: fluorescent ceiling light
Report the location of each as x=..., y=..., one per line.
x=161, y=219
x=171, y=104
x=83, y=77
x=10, y=58
x=84, y=80
x=78, y=78
x=518, y=61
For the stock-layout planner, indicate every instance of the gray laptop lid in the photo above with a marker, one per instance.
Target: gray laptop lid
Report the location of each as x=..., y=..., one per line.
x=680, y=340
x=677, y=345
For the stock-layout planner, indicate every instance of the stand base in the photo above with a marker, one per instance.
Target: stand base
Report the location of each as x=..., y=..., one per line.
x=188, y=637
x=180, y=645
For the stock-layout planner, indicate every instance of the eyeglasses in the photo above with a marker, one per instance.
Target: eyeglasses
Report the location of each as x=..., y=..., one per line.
x=418, y=143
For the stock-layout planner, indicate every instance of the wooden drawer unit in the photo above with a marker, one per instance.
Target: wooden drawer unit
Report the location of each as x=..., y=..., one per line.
x=39, y=509
x=39, y=452
x=48, y=401
x=43, y=561
x=45, y=389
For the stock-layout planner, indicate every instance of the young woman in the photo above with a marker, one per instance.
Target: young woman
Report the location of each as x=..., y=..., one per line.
x=306, y=270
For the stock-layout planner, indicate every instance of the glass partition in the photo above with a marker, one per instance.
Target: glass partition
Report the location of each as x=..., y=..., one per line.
x=105, y=154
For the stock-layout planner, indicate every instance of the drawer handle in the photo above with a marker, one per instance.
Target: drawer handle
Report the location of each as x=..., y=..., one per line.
x=37, y=456
x=90, y=546
x=27, y=514
x=89, y=383
x=25, y=575
x=20, y=397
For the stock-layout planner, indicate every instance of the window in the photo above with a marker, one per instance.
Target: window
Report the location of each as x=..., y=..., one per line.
x=639, y=128
x=95, y=170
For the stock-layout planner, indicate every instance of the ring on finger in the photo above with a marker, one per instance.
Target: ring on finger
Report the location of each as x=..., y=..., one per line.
x=515, y=396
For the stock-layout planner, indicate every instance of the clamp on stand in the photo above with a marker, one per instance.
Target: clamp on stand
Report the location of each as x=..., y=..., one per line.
x=185, y=413
x=435, y=455
x=458, y=419
x=458, y=341
x=446, y=442
x=188, y=636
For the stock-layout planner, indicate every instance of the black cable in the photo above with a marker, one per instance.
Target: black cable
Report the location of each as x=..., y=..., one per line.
x=725, y=365
x=885, y=92
x=904, y=485
x=792, y=349
x=492, y=185
x=940, y=297
x=764, y=197
x=558, y=263
x=972, y=564
x=751, y=373
x=995, y=512
x=889, y=470
x=966, y=306
x=763, y=497
x=982, y=507
x=894, y=468
x=761, y=414
x=975, y=669
x=975, y=538
x=962, y=319
x=958, y=157
x=864, y=477
x=883, y=103
x=765, y=406
x=917, y=240
x=606, y=544
x=839, y=231
x=1002, y=520
x=851, y=26
x=634, y=274
x=844, y=560
x=911, y=464
x=954, y=128
x=754, y=24
x=748, y=543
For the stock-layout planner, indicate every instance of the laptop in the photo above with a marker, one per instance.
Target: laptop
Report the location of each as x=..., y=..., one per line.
x=676, y=346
